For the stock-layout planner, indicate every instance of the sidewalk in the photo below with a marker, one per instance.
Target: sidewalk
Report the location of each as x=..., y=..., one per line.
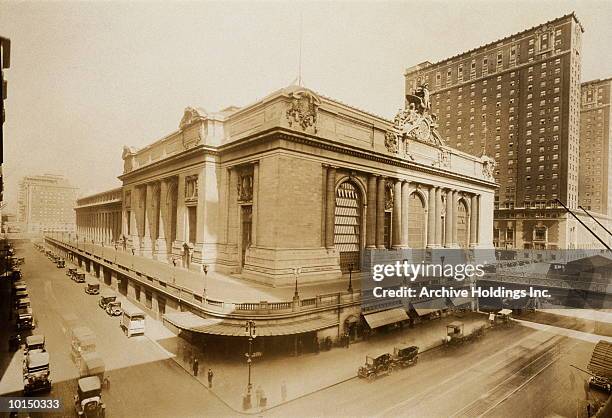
x=219, y=286
x=302, y=375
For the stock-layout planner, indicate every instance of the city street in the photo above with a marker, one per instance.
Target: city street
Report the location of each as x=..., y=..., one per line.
x=499, y=376
x=144, y=380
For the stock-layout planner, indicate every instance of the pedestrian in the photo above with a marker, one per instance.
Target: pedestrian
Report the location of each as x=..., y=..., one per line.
x=283, y=391
x=196, y=366
x=210, y=378
x=347, y=339
x=258, y=394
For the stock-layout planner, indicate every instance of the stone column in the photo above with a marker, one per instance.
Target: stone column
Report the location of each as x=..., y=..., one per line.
x=380, y=213
x=180, y=210
x=439, y=226
x=396, y=228
x=255, y=215
x=431, y=218
x=474, y=221
x=448, y=230
x=405, y=213
x=162, y=221
x=330, y=211
x=146, y=245
x=455, y=216
x=371, y=219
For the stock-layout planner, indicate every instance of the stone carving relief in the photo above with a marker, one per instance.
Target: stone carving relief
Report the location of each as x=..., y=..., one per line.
x=488, y=167
x=191, y=116
x=129, y=158
x=303, y=109
x=391, y=142
x=415, y=121
x=443, y=159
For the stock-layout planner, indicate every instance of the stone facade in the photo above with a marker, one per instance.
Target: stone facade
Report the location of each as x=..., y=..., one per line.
x=298, y=182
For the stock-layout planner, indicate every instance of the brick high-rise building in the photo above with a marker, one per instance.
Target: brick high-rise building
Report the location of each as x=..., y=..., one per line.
x=518, y=100
x=46, y=203
x=595, y=179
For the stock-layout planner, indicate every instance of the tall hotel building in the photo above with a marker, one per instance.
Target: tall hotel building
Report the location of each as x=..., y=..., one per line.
x=595, y=180
x=518, y=100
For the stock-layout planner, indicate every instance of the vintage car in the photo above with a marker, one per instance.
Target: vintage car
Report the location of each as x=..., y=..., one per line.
x=92, y=287
x=16, y=274
x=454, y=334
x=21, y=294
x=106, y=296
x=33, y=343
x=71, y=271
x=375, y=366
x=114, y=308
x=36, y=372
x=25, y=320
x=22, y=303
x=503, y=317
x=83, y=342
x=88, y=400
x=132, y=321
x=92, y=365
x=79, y=277
x=61, y=263
x=404, y=356
x=600, y=383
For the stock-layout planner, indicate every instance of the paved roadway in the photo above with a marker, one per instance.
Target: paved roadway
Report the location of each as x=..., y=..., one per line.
x=510, y=373
x=144, y=381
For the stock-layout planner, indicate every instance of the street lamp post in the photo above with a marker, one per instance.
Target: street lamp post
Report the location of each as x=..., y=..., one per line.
x=296, y=273
x=205, y=271
x=251, y=332
x=350, y=287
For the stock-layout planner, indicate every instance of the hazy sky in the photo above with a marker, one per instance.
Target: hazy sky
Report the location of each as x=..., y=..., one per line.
x=88, y=77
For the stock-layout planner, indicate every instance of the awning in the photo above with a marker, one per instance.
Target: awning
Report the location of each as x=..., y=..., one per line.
x=601, y=360
x=429, y=306
x=378, y=319
x=192, y=322
x=460, y=301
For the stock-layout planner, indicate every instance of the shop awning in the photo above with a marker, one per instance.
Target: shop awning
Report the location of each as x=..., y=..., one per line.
x=460, y=301
x=378, y=319
x=429, y=306
x=213, y=326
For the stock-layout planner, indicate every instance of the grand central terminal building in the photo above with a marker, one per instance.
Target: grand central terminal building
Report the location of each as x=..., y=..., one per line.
x=295, y=184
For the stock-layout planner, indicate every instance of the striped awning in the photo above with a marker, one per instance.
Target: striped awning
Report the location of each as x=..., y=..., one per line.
x=378, y=319
x=213, y=326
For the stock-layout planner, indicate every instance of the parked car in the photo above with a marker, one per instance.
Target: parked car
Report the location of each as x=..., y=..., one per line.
x=71, y=271
x=25, y=319
x=88, y=400
x=404, y=356
x=376, y=366
x=114, y=308
x=132, y=321
x=79, y=277
x=106, y=296
x=14, y=342
x=92, y=287
x=61, y=263
x=36, y=372
x=33, y=343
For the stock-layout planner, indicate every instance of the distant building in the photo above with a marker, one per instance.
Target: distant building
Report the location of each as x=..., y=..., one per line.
x=517, y=99
x=595, y=178
x=46, y=203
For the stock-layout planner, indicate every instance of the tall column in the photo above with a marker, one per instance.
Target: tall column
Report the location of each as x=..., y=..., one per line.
x=371, y=220
x=448, y=231
x=431, y=217
x=330, y=211
x=455, y=216
x=439, y=226
x=180, y=210
x=163, y=222
x=147, y=244
x=380, y=213
x=396, y=228
x=405, y=213
x=474, y=221
x=255, y=215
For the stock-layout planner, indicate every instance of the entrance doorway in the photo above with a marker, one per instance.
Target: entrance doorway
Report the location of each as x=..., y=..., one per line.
x=347, y=225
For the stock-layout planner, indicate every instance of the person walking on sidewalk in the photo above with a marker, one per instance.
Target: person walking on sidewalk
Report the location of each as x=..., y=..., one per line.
x=196, y=366
x=210, y=378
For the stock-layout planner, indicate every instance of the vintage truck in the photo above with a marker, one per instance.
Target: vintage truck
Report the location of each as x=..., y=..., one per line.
x=88, y=400
x=376, y=366
x=36, y=372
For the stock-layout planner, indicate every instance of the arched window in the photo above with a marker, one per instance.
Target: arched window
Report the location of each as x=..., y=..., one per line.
x=416, y=221
x=347, y=225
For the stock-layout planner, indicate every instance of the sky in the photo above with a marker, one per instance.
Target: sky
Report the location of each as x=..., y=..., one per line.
x=87, y=78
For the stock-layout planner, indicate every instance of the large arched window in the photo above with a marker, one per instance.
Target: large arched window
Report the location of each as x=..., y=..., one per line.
x=462, y=224
x=347, y=225
x=416, y=221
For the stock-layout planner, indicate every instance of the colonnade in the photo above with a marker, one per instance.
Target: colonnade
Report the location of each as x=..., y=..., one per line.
x=440, y=207
x=100, y=225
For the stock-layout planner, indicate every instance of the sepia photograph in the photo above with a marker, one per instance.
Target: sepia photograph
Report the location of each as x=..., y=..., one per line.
x=332, y=208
